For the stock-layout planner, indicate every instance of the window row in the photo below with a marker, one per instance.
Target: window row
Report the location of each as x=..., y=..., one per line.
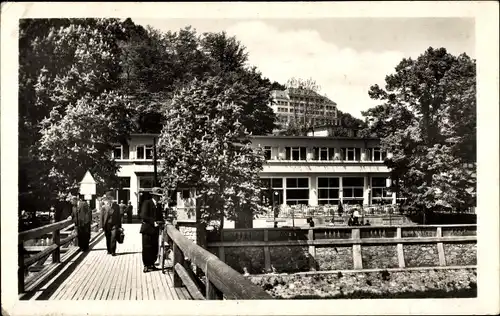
x=324, y=153
x=328, y=190
x=142, y=152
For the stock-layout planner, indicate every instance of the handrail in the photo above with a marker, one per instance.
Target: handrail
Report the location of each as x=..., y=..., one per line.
x=55, y=230
x=221, y=279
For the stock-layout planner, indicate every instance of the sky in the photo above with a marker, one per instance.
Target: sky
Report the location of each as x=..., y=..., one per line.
x=345, y=56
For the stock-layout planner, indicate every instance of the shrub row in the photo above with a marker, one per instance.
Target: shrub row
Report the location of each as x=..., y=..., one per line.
x=436, y=283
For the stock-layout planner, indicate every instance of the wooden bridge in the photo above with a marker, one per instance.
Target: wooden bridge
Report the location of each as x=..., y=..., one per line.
x=95, y=275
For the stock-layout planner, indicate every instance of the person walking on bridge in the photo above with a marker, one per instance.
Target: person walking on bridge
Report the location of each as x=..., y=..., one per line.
x=111, y=221
x=82, y=217
x=151, y=219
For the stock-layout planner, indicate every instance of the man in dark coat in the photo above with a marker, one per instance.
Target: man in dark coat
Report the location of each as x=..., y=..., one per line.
x=128, y=210
x=122, y=206
x=82, y=217
x=151, y=219
x=111, y=221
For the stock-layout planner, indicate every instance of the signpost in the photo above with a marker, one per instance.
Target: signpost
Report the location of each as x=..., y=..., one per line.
x=88, y=186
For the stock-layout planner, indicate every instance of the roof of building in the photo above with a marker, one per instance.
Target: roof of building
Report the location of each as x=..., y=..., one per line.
x=314, y=137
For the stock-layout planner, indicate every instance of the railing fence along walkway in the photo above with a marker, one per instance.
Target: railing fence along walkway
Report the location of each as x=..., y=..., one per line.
x=96, y=275
x=55, y=231
x=354, y=237
x=220, y=280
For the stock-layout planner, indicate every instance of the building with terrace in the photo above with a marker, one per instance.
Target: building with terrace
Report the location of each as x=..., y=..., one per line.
x=303, y=170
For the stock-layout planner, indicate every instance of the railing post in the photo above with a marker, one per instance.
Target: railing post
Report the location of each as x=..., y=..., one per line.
x=20, y=269
x=312, y=250
x=356, y=250
x=212, y=293
x=56, y=240
x=222, y=254
x=440, y=247
x=267, y=253
x=399, y=249
x=178, y=258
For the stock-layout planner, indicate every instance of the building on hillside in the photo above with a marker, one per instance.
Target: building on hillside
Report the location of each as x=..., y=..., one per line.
x=298, y=104
x=298, y=170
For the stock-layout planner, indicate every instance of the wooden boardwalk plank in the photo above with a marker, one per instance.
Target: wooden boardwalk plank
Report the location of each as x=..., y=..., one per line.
x=109, y=266
x=94, y=279
x=69, y=285
x=168, y=290
x=99, y=276
x=87, y=276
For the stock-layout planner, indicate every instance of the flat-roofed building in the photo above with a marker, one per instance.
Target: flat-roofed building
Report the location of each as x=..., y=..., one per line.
x=310, y=170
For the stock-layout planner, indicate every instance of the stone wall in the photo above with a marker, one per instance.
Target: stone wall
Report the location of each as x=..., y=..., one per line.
x=460, y=254
x=289, y=259
x=379, y=257
x=421, y=255
x=334, y=258
x=188, y=232
x=250, y=257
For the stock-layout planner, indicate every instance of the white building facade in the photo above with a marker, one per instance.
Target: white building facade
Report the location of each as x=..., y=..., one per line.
x=297, y=104
x=298, y=170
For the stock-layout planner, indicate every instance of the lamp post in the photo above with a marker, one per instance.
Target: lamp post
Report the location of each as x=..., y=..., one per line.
x=275, y=193
x=388, y=184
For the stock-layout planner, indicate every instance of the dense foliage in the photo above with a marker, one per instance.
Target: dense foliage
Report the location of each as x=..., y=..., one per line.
x=383, y=284
x=86, y=84
x=204, y=146
x=69, y=108
x=427, y=119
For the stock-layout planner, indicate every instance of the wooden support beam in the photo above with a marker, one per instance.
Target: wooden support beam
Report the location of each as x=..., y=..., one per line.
x=178, y=259
x=188, y=282
x=56, y=240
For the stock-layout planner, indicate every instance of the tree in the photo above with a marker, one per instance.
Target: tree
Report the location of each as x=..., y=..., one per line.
x=304, y=90
x=349, y=126
x=205, y=146
x=68, y=111
x=158, y=64
x=427, y=120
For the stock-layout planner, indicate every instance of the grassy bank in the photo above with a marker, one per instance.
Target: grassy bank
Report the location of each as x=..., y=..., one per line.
x=446, y=283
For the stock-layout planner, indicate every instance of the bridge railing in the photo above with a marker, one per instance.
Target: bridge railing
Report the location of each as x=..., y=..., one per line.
x=356, y=237
x=221, y=281
x=55, y=230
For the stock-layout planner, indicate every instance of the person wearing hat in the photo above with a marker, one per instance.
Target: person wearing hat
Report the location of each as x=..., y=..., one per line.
x=151, y=218
x=82, y=217
x=111, y=221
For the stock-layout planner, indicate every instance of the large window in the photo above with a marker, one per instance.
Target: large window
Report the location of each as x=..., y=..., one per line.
x=117, y=152
x=323, y=153
x=378, y=154
x=145, y=152
x=328, y=191
x=267, y=152
x=351, y=154
x=379, y=190
x=295, y=153
x=146, y=182
x=271, y=187
x=124, y=182
x=352, y=190
x=297, y=191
